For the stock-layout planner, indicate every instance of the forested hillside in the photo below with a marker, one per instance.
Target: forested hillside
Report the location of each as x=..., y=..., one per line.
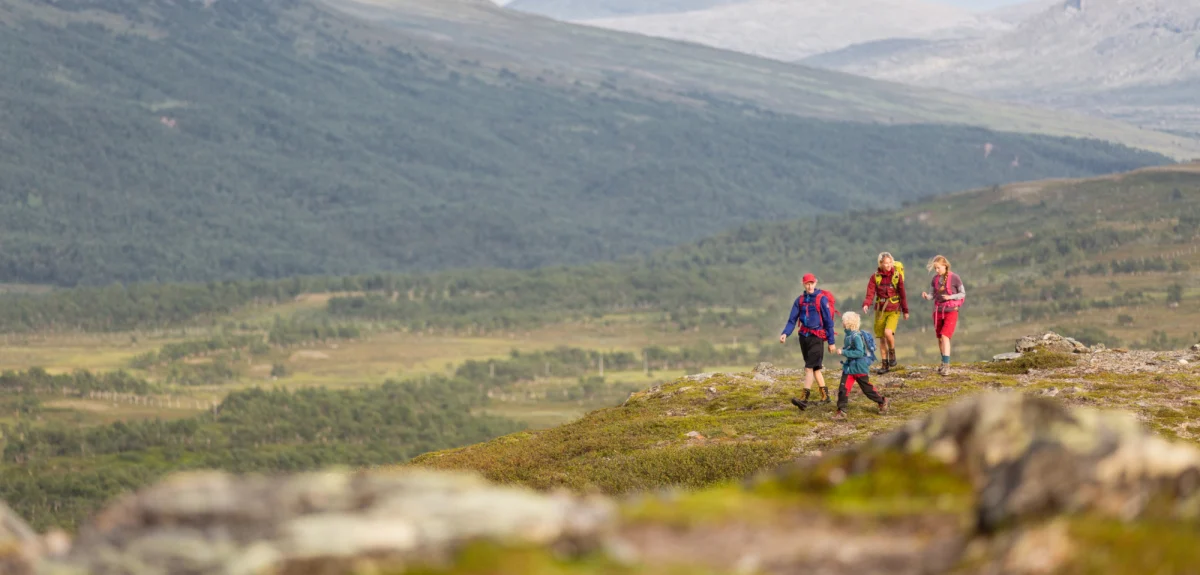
x=198, y=141
x=57, y=474
x=1097, y=250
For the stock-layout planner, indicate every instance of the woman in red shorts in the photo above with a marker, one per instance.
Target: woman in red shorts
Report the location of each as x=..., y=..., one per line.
x=948, y=296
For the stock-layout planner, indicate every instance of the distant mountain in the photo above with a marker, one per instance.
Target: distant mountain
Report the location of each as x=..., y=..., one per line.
x=789, y=30
x=480, y=31
x=177, y=140
x=585, y=9
x=1133, y=60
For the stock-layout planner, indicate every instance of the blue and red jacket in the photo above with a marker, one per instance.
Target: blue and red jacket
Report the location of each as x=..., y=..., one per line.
x=812, y=321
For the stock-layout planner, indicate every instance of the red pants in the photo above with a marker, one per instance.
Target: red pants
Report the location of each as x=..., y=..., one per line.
x=944, y=323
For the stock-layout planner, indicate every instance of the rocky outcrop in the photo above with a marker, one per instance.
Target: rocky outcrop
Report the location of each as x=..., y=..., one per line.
x=1030, y=457
x=1051, y=341
x=331, y=522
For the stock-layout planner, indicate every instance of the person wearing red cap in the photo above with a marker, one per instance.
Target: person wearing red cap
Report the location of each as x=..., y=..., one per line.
x=813, y=313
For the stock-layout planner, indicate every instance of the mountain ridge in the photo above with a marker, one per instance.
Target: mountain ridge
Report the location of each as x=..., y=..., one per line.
x=1133, y=61
x=206, y=142
x=696, y=73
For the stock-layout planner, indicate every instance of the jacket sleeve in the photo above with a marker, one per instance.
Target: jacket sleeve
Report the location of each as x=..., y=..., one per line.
x=853, y=348
x=827, y=321
x=870, y=291
x=903, y=289
x=791, y=324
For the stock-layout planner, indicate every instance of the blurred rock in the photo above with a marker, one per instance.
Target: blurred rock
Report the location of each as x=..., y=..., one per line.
x=1031, y=457
x=210, y=522
x=20, y=546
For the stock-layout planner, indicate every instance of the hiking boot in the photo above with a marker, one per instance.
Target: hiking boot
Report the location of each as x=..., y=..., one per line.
x=839, y=415
x=803, y=405
x=882, y=369
x=943, y=369
x=825, y=395
x=883, y=407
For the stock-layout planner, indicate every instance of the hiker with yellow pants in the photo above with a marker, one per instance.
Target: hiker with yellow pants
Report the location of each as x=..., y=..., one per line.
x=886, y=293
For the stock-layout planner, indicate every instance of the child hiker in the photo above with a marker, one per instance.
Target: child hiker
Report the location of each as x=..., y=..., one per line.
x=948, y=296
x=856, y=366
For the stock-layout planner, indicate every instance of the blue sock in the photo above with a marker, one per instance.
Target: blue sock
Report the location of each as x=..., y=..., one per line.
x=945, y=359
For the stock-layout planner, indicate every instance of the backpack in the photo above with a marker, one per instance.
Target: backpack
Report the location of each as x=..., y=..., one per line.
x=946, y=285
x=896, y=277
x=868, y=343
x=828, y=295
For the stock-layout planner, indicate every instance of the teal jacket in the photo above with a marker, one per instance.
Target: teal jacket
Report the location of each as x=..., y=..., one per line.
x=854, y=349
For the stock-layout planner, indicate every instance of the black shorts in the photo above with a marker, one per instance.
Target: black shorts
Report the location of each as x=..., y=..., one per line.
x=813, y=349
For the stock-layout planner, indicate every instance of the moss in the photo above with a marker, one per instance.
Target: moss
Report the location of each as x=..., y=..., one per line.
x=882, y=483
x=487, y=558
x=714, y=505
x=1144, y=547
x=1040, y=359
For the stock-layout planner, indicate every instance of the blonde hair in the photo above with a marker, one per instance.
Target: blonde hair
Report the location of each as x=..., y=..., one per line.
x=938, y=260
x=884, y=256
x=851, y=321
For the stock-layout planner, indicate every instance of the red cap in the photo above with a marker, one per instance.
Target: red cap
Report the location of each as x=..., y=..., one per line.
x=809, y=278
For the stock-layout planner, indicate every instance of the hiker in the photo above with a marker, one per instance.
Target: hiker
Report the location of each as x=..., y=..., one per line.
x=856, y=348
x=886, y=290
x=948, y=296
x=813, y=313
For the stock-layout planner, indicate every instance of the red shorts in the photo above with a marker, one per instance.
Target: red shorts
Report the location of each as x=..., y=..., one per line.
x=944, y=323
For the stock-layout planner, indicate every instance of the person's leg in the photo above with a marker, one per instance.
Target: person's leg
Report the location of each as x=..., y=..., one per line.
x=890, y=323
x=818, y=366
x=821, y=385
x=864, y=383
x=881, y=339
x=811, y=361
x=844, y=393
x=945, y=331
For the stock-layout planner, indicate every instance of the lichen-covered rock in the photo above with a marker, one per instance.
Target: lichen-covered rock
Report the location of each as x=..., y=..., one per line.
x=768, y=369
x=1032, y=456
x=210, y=522
x=1007, y=356
x=1051, y=341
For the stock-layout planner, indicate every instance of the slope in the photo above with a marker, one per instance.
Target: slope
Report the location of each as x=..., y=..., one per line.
x=207, y=141
x=1109, y=259
x=1112, y=259
x=542, y=47
x=791, y=30
x=709, y=428
x=1133, y=61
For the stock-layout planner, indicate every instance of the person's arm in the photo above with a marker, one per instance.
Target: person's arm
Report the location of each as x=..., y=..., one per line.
x=791, y=324
x=853, y=349
x=870, y=293
x=827, y=321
